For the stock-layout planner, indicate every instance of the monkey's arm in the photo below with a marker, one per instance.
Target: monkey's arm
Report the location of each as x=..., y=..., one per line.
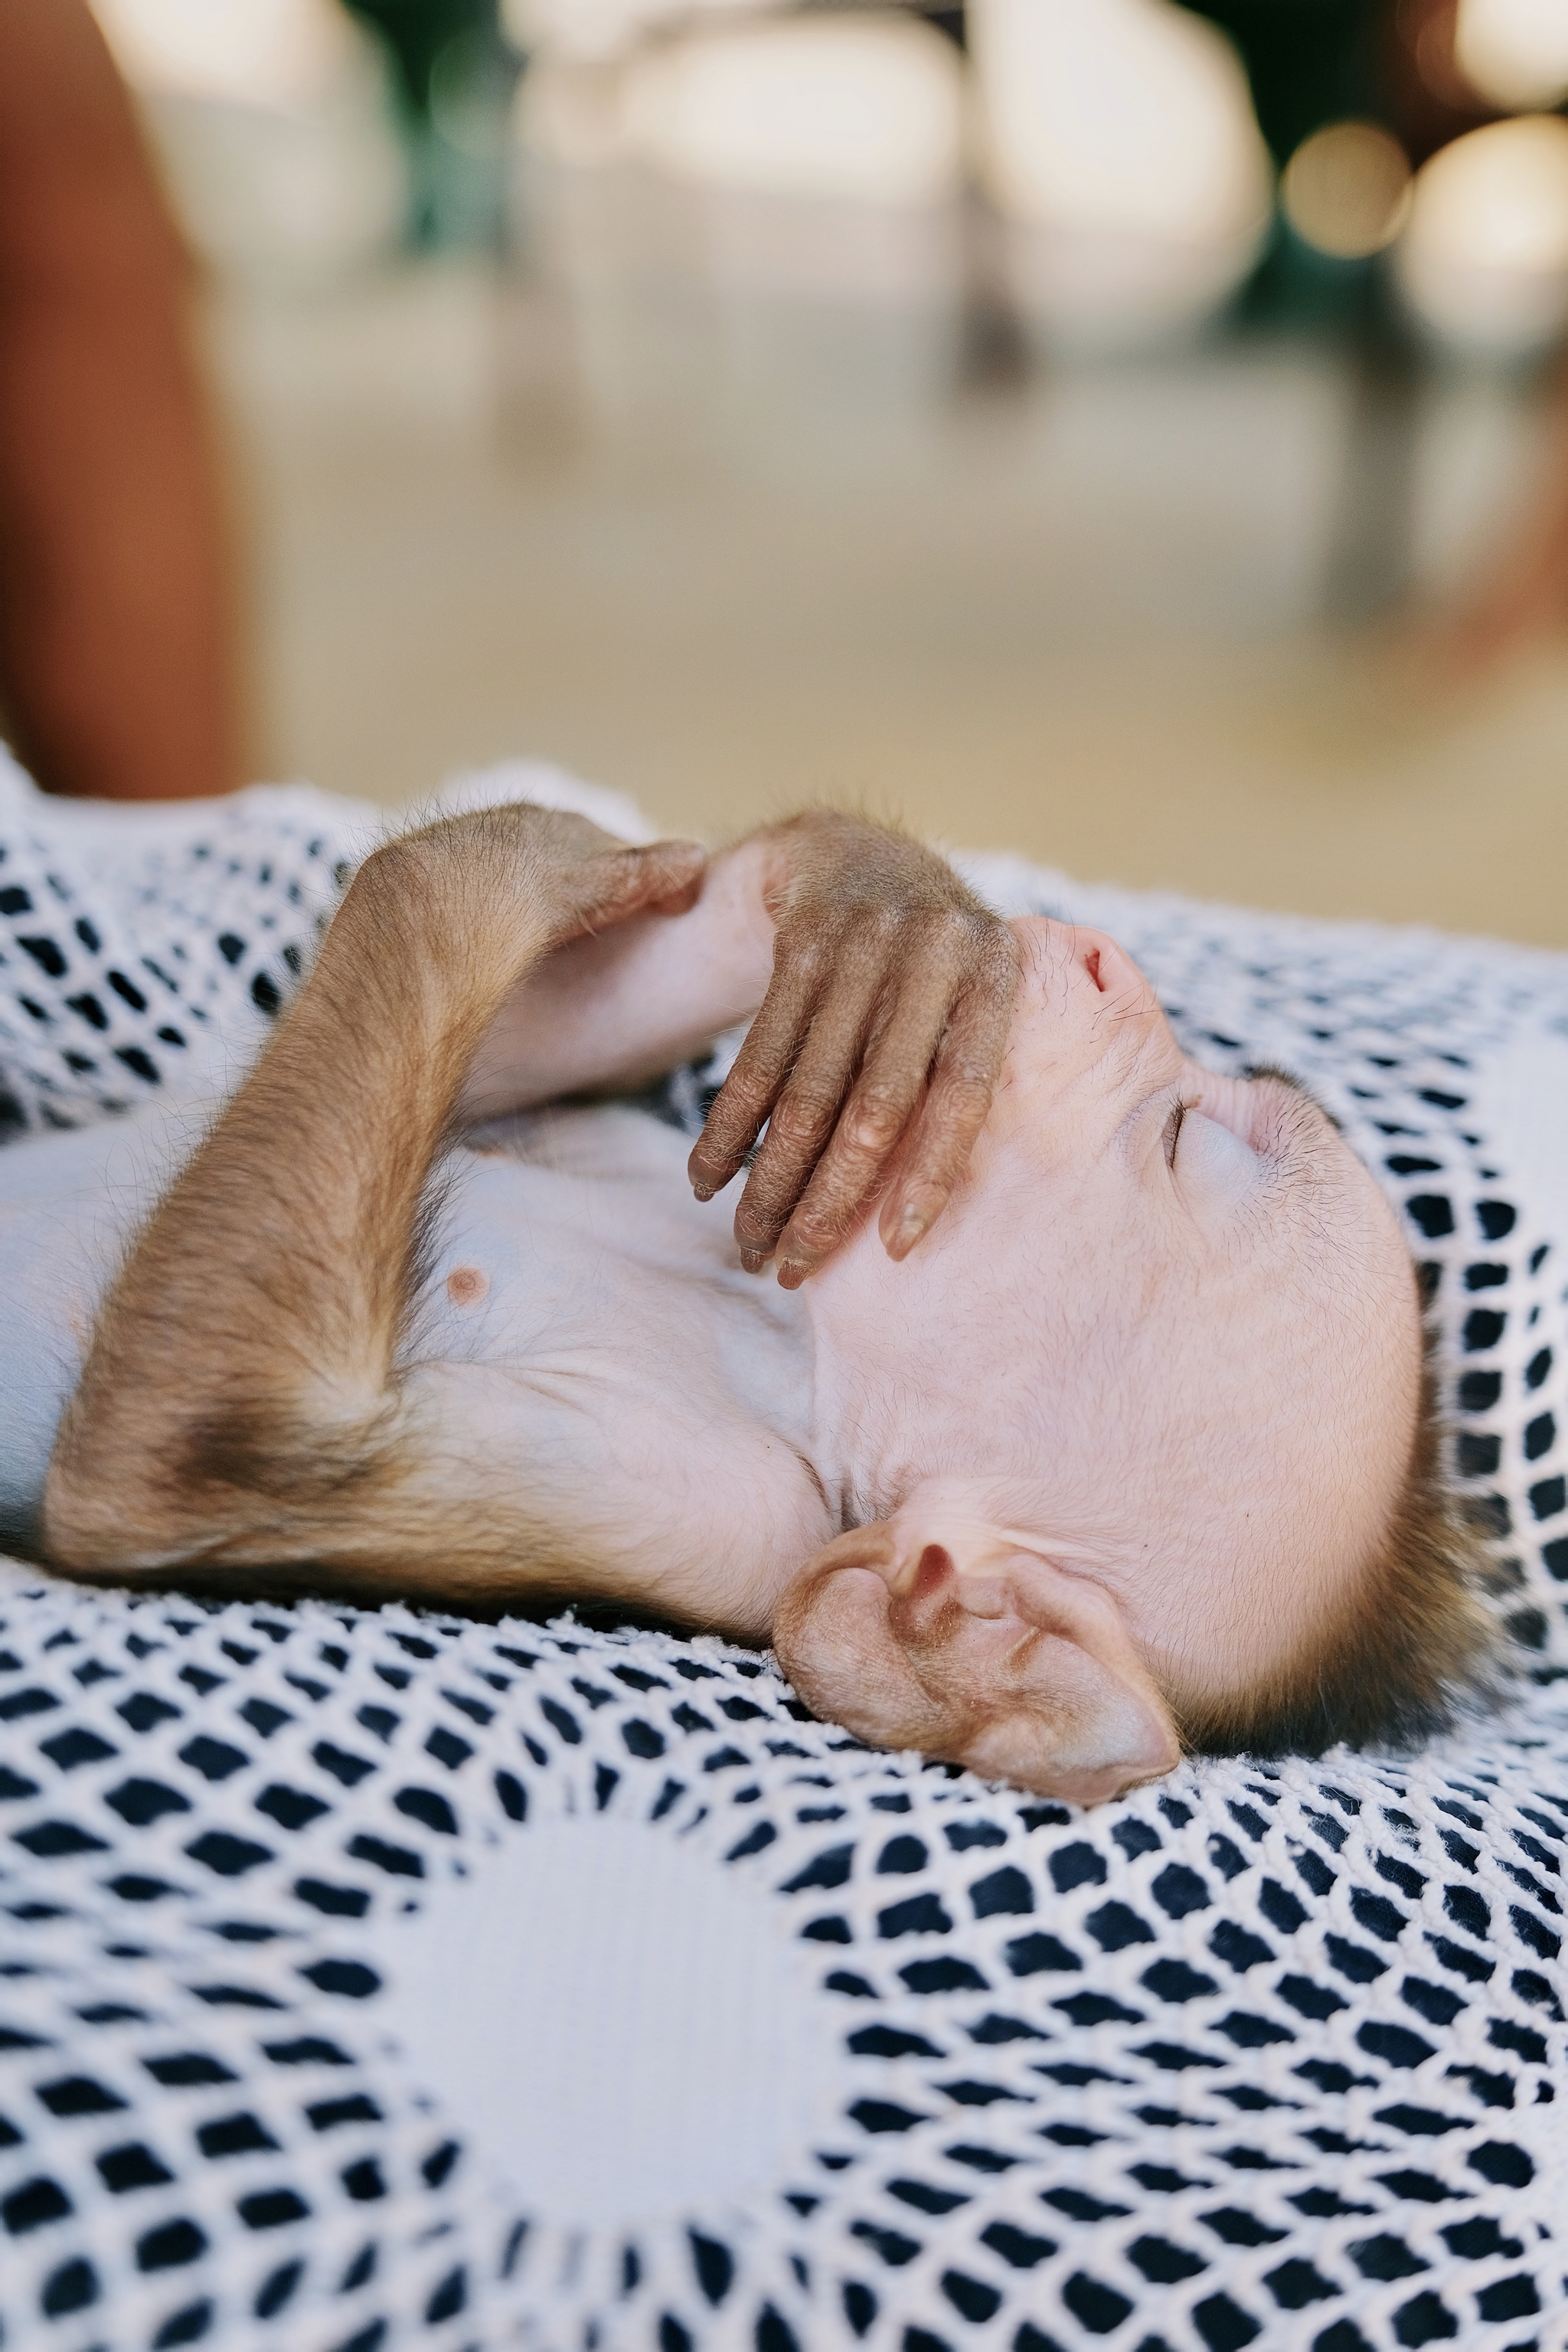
x=242, y=1401
x=885, y=988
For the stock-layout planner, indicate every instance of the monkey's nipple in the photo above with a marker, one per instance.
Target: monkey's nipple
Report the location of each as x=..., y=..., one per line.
x=466, y=1286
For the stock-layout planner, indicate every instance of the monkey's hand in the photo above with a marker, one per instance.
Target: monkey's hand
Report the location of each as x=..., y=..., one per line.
x=875, y=1055
x=531, y=879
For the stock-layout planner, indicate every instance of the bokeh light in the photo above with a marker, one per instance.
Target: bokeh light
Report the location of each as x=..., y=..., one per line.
x=1483, y=261
x=1123, y=132
x=271, y=122
x=280, y=53
x=1346, y=190
x=867, y=111
x=1514, y=52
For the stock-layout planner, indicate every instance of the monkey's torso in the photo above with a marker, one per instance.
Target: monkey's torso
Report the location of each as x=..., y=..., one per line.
x=590, y=1332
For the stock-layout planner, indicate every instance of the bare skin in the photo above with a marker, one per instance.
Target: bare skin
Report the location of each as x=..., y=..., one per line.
x=1105, y=1408
x=1193, y=1321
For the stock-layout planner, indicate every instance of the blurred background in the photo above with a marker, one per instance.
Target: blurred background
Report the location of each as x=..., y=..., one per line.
x=1127, y=432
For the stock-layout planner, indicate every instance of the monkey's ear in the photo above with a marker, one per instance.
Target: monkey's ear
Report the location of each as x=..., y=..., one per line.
x=965, y=1639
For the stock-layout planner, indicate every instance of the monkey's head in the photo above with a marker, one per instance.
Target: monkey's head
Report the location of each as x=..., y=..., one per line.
x=1141, y=1431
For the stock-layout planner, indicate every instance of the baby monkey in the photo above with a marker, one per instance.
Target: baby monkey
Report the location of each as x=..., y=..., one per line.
x=1085, y=1418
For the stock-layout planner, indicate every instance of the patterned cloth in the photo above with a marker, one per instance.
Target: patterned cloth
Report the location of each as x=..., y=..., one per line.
x=1268, y=2054
x=141, y=956
x=145, y=952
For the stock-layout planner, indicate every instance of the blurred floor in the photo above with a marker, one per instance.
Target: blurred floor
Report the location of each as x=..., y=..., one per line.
x=1082, y=623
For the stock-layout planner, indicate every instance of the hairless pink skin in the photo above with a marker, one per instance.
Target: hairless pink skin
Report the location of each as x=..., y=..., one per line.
x=1125, y=1425
x=1119, y=1430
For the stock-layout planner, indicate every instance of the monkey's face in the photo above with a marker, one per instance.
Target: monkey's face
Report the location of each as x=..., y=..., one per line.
x=1169, y=1325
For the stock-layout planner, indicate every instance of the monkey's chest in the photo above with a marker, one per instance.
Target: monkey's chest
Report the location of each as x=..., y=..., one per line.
x=575, y=1261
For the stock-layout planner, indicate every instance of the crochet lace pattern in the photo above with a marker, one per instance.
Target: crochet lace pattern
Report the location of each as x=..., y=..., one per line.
x=1268, y=2053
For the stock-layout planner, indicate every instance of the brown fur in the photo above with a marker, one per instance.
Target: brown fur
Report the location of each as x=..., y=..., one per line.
x=244, y=1403
x=1413, y=1646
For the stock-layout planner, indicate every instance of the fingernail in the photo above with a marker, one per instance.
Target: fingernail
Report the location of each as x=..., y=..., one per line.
x=752, y=1260
x=911, y=1226
x=702, y=1187
x=792, y=1274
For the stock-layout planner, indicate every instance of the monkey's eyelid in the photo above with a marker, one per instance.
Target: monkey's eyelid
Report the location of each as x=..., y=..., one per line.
x=1255, y=1071
x=1173, y=1129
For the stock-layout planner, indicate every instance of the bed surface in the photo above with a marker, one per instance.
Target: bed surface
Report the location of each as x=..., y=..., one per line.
x=377, y=1979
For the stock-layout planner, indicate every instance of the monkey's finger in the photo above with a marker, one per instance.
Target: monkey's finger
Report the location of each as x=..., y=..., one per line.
x=875, y=1119
x=676, y=876
x=806, y=1114
x=665, y=877
x=745, y=1101
x=962, y=1085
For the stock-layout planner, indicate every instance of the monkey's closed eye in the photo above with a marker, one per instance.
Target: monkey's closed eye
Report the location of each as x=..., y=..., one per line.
x=1173, y=1129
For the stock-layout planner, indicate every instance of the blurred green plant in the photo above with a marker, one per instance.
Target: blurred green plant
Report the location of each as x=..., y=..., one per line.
x=1308, y=62
x=454, y=75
